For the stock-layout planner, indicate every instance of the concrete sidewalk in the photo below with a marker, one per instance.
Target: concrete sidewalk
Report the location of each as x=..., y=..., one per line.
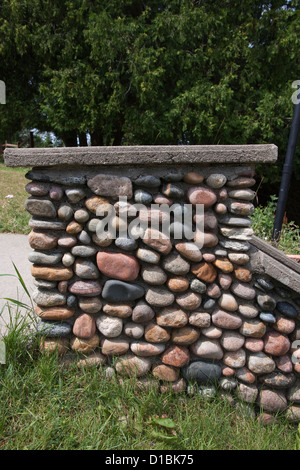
x=13, y=249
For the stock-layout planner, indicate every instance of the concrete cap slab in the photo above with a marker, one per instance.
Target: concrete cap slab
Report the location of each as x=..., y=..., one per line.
x=141, y=155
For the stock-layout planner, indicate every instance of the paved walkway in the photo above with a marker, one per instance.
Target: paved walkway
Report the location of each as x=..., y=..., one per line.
x=13, y=249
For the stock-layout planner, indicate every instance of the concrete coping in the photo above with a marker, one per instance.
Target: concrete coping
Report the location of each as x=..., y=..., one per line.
x=141, y=155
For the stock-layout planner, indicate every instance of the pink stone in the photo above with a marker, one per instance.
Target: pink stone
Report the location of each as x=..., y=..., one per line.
x=118, y=265
x=284, y=325
x=56, y=193
x=206, y=221
x=67, y=241
x=158, y=241
x=232, y=341
x=209, y=257
x=276, y=344
x=272, y=401
x=201, y=195
x=212, y=332
x=254, y=344
x=189, y=301
x=225, y=281
x=213, y=291
x=37, y=189
x=161, y=199
x=226, y=320
x=284, y=363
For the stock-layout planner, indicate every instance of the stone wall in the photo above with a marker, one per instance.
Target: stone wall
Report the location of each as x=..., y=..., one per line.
x=157, y=307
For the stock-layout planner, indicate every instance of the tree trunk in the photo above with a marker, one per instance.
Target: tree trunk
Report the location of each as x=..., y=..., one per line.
x=82, y=139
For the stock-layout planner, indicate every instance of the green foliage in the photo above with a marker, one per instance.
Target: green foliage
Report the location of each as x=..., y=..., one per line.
x=263, y=222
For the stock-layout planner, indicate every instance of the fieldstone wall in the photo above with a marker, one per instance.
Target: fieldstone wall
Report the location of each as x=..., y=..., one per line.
x=157, y=307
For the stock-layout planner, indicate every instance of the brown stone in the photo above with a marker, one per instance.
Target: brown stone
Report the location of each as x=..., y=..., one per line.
x=276, y=344
x=103, y=241
x=118, y=310
x=84, y=326
x=189, y=301
x=178, y=284
x=63, y=287
x=204, y=271
x=284, y=325
x=54, y=313
x=114, y=346
x=110, y=185
x=67, y=241
x=166, y=373
x=177, y=356
x=42, y=241
x=172, y=317
x=193, y=178
x=185, y=336
x=200, y=319
x=53, y=345
x=90, y=304
x=178, y=386
x=241, y=182
x=85, y=346
x=158, y=241
x=189, y=250
x=224, y=265
x=98, y=205
x=213, y=291
x=209, y=257
x=74, y=227
x=51, y=274
x=243, y=275
x=118, y=265
x=156, y=334
x=253, y=328
x=201, y=195
x=94, y=359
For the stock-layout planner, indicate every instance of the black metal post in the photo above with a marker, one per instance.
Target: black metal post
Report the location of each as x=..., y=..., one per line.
x=286, y=174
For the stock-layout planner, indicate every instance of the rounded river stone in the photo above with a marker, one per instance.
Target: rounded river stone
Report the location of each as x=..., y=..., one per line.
x=119, y=291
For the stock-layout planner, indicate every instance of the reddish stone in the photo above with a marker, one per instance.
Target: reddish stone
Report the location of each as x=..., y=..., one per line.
x=54, y=313
x=177, y=356
x=86, y=288
x=201, y=195
x=185, y=336
x=172, y=317
x=243, y=274
x=189, y=250
x=228, y=371
x=245, y=375
x=156, y=334
x=209, y=257
x=51, y=274
x=206, y=239
x=225, y=281
x=84, y=326
x=254, y=344
x=284, y=325
x=276, y=344
x=193, y=178
x=118, y=265
x=204, y=271
x=178, y=284
x=213, y=291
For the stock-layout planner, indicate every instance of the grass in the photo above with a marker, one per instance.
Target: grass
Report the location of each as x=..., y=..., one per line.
x=14, y=218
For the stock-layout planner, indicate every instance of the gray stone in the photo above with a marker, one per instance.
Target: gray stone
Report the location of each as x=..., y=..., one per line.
x=243, y=290
x=84, y=237
x=228, y=383
x=236, y=221
x=48, y=298
x=65, y=212
x=148, y=256
x=172, y=191
x=44, y=284
x=71, y=301
x=54, y=328
x=175, y=264
x=235, y=246
x=266, y=284
x=81, y=216
x=266, y=302
x=40, y=208
x=51, y=259
x=142, y=197
x=86, y=269
x=46, y=224
x=216, y=180
x=209, y=304
x=173, y=176
x=142, y=312
x=237, y=233
x=83, y=251
x=153, y=275
x=202, y=372
x=110, y=185
x=147, y=181
x=159, y=297
x=119, y=291
x=55, y=175
x=260, y=363
x=75, y=195
x=92, y=225
x=126, y=243
x=267, y=317
x=198, y=286
x=287, y=309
